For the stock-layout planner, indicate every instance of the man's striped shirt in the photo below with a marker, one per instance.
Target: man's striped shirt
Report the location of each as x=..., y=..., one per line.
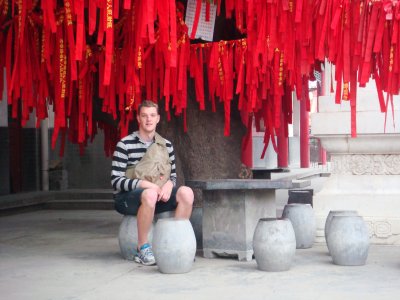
x=129, y=151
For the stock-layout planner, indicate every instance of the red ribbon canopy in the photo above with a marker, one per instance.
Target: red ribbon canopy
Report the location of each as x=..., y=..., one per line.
x=77, y=54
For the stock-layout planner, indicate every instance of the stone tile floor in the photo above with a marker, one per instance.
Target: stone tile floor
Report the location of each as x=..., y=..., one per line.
x=56, y=254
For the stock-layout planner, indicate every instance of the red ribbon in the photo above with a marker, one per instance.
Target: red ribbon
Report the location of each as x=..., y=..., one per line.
x=196, y=19
x=71, y=42
x=142, y=48
x=109, y=24
x=79, y=10
x=92, y=17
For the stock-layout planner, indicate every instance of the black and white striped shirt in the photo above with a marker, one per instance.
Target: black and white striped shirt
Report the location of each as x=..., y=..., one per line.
x=129, y=151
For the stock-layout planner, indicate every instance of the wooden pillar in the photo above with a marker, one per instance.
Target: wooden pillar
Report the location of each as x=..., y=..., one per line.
x=322, y=92
x=283, y=145
x=304, y=127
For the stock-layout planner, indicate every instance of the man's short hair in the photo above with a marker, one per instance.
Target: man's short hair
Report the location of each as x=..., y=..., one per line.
x=147, y=103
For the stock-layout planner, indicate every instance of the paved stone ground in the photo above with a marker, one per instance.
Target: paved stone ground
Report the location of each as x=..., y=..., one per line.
x=55, y=254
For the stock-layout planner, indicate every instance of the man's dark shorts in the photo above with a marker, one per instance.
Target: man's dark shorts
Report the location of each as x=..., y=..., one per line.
x=127, y=203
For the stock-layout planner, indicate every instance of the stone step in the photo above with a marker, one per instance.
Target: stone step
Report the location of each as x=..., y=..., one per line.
x=94, y=198
x=102, y=204
x=83, y=194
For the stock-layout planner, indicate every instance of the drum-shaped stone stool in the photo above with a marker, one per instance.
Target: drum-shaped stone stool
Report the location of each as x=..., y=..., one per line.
x=336, y=213
x=128, y=237
x=174, y=245
x=274, y=244
x=304, y=224
x=348, y=240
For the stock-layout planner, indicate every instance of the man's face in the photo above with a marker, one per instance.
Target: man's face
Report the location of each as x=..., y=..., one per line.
x=148, y=119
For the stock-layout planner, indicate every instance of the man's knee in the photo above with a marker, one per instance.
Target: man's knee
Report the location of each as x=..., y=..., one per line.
x=185, y=195
x=149, y=198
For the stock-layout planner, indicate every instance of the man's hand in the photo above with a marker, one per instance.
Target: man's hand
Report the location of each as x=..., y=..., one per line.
x=166, y=190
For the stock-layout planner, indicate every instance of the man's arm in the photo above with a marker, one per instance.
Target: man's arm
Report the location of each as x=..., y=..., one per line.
x=171, y=152
x=119, y=165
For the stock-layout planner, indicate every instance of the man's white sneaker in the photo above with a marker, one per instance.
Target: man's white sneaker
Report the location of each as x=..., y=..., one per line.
x=145, y=256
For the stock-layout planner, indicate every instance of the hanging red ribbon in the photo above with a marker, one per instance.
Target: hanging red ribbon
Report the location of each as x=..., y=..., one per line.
x=141, y=49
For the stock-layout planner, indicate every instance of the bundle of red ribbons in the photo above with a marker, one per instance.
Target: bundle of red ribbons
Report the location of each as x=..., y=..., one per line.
x=72, y=53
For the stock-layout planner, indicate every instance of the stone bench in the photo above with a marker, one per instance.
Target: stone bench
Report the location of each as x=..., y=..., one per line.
x=231, y=210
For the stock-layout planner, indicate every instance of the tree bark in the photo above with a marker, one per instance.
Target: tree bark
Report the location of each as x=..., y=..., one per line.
x=203, y=152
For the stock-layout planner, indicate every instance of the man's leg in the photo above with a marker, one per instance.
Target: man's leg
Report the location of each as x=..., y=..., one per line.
x=184, y=199
x=145, y=215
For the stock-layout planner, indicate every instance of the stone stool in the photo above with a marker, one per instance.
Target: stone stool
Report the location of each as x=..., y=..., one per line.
x=128, y=237
x=174, y=245
x=303, y=221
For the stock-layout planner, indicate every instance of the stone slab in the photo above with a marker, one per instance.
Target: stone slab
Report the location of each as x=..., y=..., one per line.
x=246, y=184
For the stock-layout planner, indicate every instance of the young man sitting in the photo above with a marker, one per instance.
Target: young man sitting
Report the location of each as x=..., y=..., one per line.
x=141, y=197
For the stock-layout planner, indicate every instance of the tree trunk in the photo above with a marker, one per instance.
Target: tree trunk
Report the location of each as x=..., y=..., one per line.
x=204, y=152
